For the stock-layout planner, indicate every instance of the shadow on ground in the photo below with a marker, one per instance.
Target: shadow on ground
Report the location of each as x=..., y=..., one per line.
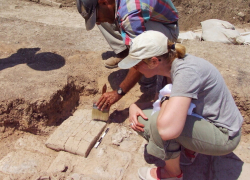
x=45, y=61
x=227, y=167
x=108, y=54
x=115, y=79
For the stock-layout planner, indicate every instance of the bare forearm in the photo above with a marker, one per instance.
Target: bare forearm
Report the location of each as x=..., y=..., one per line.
x=130, y=80
x=109, y=98
x=172, y=117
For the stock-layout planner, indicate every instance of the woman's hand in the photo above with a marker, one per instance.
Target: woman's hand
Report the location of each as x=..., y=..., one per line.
x=134, y=112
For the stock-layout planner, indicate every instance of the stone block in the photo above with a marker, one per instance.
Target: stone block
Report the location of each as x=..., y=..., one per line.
x=84, y=148
x=62, y=161
x=72, y=145
x=104, y=162
x=33, y=143
x=98, y=127
x=89, y=138
x=22, y=161
x=77, y=134
x=84, y=114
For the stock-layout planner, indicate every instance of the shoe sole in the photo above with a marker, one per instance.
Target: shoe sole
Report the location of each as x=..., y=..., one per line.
x=110, y=67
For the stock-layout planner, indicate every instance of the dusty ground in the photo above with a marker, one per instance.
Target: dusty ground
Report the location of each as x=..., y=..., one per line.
x=192, y=12
x=50, y=66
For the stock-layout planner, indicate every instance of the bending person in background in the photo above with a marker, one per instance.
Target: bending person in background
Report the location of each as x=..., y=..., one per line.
x=216, y=128
x=122, y=20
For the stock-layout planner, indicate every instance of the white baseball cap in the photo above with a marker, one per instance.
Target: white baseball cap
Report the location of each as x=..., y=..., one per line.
x=146, y=45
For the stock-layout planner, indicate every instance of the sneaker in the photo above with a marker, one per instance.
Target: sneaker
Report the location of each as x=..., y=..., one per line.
x=112, y=62
x=144, y=174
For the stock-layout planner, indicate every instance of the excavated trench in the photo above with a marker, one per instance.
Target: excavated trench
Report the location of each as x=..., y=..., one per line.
x=36, y=117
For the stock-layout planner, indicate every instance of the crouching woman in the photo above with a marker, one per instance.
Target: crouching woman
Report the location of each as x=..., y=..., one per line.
x=214, y=129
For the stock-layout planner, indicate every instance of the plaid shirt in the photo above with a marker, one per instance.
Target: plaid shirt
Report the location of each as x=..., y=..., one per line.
x=131, y=15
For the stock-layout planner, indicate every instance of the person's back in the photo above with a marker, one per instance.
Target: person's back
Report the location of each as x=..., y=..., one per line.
x=197, y=78
x=133, y=16
x=156, y=10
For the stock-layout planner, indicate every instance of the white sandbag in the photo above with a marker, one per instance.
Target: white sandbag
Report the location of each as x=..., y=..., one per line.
x=247, y=39
x=244, y=39
x=188, y=35
x=240, y=40
x=216, y=30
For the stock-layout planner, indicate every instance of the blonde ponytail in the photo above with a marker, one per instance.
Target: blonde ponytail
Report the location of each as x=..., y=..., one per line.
x=178, y=48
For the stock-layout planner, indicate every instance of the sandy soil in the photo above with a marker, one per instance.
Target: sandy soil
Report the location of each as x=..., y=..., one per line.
x=50, y=65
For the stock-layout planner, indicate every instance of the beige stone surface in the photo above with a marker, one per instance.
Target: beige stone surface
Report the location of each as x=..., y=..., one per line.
x=34, y=144
x=51, y=3
x=77, y=134
x=102, y=164
x=63, y=160
x=22, y=161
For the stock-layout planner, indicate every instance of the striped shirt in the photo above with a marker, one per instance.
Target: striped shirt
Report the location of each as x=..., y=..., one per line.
x=131, y=15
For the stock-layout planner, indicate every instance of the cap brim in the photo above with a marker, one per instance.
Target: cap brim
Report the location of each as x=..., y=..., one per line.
x=128, y=62
x=90, y=23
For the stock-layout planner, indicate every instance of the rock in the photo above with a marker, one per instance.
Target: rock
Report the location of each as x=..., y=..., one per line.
x=77, y=134
x=51, y=3
x=241, y=14
x=44, y=178
x=118, y=137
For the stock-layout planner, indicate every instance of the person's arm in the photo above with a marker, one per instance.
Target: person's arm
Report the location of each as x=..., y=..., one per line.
x=128, y=32
x=109, y=98
x=130, y=80
x=172, y=117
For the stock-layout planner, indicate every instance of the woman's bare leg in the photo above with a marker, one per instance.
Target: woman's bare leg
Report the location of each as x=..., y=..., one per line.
x=171, y=169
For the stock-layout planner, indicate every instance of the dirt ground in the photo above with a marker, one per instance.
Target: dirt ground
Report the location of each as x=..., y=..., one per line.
x=192, y=12
x=50, y=65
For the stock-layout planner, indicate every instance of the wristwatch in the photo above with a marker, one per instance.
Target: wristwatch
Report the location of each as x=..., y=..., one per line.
x=164, y=98
x=120, y=91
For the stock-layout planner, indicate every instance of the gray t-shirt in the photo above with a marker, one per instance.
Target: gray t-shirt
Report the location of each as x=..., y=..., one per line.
x=198, y=79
